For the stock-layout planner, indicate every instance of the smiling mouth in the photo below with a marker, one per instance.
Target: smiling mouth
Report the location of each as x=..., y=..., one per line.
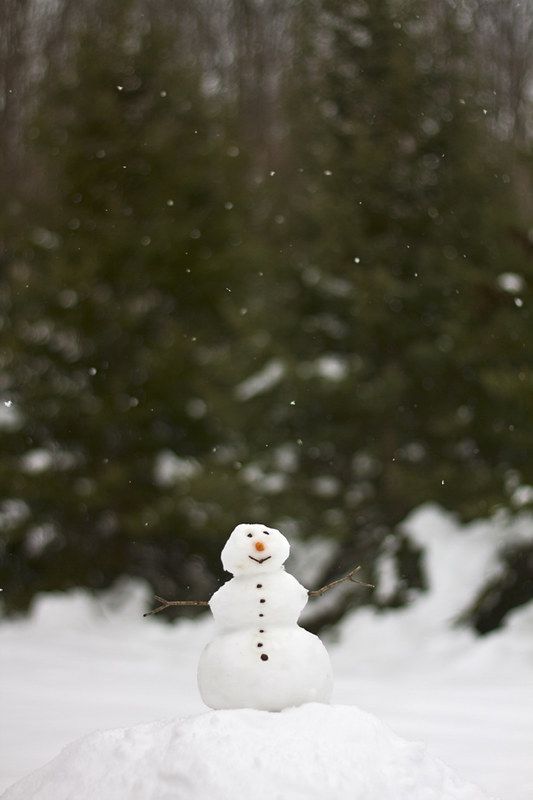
x=259, y=560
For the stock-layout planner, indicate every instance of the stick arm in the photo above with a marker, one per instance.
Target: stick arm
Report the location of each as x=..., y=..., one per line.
x=348, y=577
x=163, y=604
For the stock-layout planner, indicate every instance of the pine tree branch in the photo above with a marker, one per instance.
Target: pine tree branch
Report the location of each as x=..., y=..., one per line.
x=348, y=577
x=167, y=603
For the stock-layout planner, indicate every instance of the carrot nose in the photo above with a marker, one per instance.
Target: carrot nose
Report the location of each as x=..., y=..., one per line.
x=259, y=546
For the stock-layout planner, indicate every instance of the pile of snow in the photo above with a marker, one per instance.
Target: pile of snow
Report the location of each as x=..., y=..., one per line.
x=457, y=560
x=316, y=752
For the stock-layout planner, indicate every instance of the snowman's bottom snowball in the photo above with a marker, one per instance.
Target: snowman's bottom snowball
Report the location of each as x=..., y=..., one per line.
x=290, y=668
x=315, y=752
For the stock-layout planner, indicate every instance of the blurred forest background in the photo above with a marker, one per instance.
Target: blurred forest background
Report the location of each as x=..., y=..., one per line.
x=261, y=261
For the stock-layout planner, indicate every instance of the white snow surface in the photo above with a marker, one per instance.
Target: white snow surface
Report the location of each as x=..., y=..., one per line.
x=316, y=752
x=81, y=663
x=262, y=381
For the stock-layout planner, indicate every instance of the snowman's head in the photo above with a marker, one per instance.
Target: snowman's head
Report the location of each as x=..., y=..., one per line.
x=253, y=548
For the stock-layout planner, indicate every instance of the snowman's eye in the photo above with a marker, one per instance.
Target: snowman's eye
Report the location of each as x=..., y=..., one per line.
x=249, y=535
x=266, y=533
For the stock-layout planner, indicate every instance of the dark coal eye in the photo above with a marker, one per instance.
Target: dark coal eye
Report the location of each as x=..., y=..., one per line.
x=249, y=535
x=266, y=532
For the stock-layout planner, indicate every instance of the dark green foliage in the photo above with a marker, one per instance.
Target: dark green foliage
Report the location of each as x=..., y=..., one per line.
x=513, y=587
x=160, y=265
x=118, y=309
x=401, y=213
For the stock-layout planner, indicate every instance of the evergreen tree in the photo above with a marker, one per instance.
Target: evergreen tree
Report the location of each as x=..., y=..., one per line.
x=119, y=305
x=408, y=353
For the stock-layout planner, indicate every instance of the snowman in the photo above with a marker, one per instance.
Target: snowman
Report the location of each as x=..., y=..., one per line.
x=260, y=657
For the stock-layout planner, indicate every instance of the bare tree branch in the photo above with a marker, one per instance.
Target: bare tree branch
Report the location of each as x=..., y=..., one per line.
x=348, y=577
x=167, y=603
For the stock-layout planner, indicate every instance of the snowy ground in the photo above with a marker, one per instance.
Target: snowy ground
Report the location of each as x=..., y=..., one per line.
x=79, y=664
x=312, y=752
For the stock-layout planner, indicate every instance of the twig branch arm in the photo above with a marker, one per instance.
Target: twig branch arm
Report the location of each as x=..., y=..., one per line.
x=348, y=577
x=167, y=603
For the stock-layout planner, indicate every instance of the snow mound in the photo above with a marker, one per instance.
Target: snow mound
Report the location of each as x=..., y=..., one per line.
x=314, y=752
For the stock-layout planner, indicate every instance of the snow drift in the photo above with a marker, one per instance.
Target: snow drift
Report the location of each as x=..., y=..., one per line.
x=315, y=752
